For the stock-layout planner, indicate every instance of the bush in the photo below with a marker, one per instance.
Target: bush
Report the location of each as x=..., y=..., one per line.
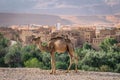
x=93, y=69
x=87, y=46
x=46, y=60
x=33, y=63
x=108, y=44
x=3, y=50
x=64, y=57
x=2, y=63
x=105, y=68
x=61, y=65
x=30, y=51
x=26, y=56
x=13, y=57
x=99, y=60
x=91, y=59
x=117, y=68
x=85, y=67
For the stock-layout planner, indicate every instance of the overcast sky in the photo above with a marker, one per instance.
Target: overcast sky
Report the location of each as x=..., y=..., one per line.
x=62, y=7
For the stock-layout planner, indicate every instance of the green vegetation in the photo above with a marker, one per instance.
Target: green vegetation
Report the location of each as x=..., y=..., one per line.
x=3, y=50
x=87, y=46
x=107, y=59
x=13, y=56
x=108, y=44
x=33, y=63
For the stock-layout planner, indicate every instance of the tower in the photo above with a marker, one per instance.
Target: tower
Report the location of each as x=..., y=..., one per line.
x=58, y=25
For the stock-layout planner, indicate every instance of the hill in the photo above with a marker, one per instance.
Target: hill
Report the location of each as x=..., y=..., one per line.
x=108, y=19
x=42, y=19
x=38, y=74
x=45, y=19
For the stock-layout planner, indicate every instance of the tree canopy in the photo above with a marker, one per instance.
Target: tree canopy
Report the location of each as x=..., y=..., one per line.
x=108, y=44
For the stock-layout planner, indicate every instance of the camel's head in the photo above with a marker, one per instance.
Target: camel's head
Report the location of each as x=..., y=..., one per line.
x=36, y=40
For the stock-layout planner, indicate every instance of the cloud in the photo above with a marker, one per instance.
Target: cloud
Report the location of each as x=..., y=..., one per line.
x=53, y=4
x=75, y=7
x=112, y=2
x=65, y=4
x=44, y=4
x=16, y=5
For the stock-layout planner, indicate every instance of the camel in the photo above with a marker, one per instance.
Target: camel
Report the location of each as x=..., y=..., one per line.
x=60, y=45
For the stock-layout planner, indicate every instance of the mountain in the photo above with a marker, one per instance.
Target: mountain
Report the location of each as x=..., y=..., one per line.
x=110, y=19
x=45, y=19
x=42, y=19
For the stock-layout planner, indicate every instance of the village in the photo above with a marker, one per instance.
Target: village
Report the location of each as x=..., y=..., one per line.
x=93, y=35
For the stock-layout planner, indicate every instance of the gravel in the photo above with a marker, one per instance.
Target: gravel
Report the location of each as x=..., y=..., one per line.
x=38, y=74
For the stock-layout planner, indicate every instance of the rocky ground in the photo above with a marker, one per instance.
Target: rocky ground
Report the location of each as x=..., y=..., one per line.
x=38, y=74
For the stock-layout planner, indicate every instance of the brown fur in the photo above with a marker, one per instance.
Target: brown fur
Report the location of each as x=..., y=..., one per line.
x=60, y=45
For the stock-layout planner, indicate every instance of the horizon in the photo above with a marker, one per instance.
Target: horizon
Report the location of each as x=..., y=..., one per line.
x=48, y=19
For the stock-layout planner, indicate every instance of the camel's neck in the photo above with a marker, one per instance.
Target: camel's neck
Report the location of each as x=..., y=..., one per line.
x=43, y=48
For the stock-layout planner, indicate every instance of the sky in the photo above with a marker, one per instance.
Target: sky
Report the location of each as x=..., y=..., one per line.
x=61, y=7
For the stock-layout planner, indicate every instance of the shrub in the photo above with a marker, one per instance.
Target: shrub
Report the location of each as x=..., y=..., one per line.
x=26, y=56
x=62, y=57
x=46, y=60
x=85, y=67
x=108, y=44
x=93, y=69
x=91, y=59
x=13, y=57
x=61, y=65
x=117, y=68
x=87, y=46
x=30, y=51
x=105, y=68
x=99, y=60
x=33, y=63
x=3, y=49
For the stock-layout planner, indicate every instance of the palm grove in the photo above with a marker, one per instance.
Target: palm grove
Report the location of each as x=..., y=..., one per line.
x=106, y=59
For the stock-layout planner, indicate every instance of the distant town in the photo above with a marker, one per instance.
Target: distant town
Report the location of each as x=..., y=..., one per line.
x=78, y=34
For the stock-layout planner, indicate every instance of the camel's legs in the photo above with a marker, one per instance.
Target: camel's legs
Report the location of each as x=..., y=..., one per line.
x=76, y=63
x=71, y=62
x=75, y=59
x=53, y=63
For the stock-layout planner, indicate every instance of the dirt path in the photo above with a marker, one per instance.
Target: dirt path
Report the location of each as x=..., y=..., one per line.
x=37, y=74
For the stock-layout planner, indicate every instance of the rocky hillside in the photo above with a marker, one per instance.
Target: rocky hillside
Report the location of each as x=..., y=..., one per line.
x=38, y=74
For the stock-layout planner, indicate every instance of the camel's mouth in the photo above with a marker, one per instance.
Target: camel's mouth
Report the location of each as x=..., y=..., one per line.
x=35, y=38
